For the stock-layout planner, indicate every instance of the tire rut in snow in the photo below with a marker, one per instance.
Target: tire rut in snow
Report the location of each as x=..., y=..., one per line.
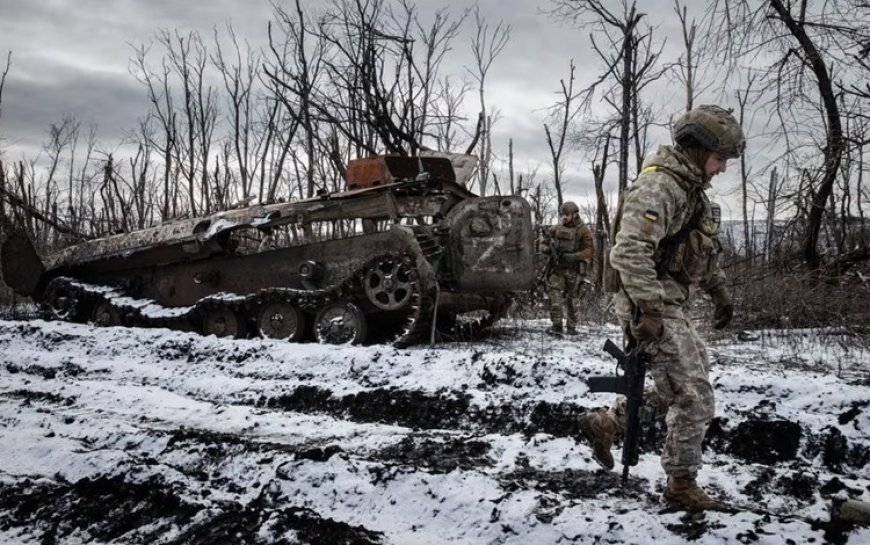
x=432, y=410
x=206, y=450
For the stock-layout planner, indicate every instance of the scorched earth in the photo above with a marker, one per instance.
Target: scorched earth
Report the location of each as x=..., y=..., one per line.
x=152, y=436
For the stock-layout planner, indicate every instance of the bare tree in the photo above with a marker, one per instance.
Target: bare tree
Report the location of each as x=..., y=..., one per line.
x=227, y=123
x=448, y=112
x=295, y=73
x=189, y=122
x=815, y=50
x=602, y=216
x=486, y=46
x=3, y=80
x=164, y=112
x=239, y=76
x=742, y=99
x=3, y=184
x=140, y=170
x=363, y=78
x=630, y=64
x=690, y=65
x=562, y=113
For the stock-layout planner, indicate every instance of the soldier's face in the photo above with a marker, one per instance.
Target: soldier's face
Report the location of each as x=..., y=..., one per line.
x=566, y=219
x=715, y=164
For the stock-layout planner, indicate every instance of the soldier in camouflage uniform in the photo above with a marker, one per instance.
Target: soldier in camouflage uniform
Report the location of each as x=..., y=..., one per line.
x=665, y=250
x=573, y=248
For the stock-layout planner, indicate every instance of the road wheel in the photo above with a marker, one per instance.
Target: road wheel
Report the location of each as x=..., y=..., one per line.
x=106, y=315
x=62, y=303
x=281, y=320
x=340, y=323
x=389, y=284
x=222, y=322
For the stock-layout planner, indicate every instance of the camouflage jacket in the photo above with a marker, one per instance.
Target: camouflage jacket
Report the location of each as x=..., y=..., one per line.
x=576, y=240
x=668, y=195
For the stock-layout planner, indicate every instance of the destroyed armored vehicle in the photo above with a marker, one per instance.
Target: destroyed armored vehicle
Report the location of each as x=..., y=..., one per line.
x=404, y=253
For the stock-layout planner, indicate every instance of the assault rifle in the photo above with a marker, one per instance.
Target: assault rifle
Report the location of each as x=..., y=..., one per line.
x=629, y=379
x=554, y=254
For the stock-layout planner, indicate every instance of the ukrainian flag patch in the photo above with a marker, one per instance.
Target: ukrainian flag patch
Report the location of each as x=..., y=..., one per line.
x=651, y=215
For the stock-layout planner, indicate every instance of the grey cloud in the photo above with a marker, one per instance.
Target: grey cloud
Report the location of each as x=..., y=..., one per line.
x=71, y=58
x=112, y=102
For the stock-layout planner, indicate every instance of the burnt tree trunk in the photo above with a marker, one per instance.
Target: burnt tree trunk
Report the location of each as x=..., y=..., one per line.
x=835, y=144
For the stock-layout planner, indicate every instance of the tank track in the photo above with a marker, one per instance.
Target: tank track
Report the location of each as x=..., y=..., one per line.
x=69, y=299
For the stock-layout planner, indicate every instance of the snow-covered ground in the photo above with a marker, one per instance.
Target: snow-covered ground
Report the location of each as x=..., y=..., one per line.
x=152, y=436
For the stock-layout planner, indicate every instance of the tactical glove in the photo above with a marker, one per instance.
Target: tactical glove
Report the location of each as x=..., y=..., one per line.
x=724, y=311
x=649, y=326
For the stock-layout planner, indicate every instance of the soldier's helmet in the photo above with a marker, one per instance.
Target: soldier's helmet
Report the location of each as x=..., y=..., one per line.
x=711, y=127
x=568, y=207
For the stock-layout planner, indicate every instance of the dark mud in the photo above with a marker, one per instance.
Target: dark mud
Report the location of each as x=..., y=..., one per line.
x=438, y=455
x=29, y=397
x=693, y=526
x=122, y=509
x=800, y=485
x=68, y=369
x=562, y=489
x=757, y=439
x=835, y=452
x=430, y=411
x=765, y=441
x=112, y=509
x=571, y=484
x=194, y=350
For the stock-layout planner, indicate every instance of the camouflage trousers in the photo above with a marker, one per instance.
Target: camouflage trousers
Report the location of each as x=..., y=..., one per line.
x=681, y=389
x=563, y=287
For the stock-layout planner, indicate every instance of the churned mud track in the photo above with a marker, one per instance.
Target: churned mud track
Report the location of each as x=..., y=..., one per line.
x=204, y=501
x=187, y=440
x=114, y=509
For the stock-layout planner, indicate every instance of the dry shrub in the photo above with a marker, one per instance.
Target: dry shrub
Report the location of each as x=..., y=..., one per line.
x=772, y=297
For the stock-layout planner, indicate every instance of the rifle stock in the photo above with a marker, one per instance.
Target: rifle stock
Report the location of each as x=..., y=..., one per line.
x=629, y=381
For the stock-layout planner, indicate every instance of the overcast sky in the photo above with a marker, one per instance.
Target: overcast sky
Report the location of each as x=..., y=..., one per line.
x=72, y=57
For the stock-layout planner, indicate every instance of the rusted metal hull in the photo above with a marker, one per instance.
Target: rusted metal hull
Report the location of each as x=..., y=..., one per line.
x=378, y=260
x=184, y=283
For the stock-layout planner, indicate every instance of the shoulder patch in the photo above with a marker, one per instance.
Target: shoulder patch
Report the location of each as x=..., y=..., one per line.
x=651, y=215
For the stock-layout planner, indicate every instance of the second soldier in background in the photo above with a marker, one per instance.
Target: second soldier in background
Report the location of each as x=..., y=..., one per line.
x=572, y=251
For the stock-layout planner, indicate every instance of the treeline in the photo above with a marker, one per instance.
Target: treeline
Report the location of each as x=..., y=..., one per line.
x=227, y=123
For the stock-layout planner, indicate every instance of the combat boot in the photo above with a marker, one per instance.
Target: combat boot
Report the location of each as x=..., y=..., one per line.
x=599, y=429
x=684, y=493
x=571, y=330
x=555, y=329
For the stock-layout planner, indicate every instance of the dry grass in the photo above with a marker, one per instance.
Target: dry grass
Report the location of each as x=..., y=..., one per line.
x=781, y=299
